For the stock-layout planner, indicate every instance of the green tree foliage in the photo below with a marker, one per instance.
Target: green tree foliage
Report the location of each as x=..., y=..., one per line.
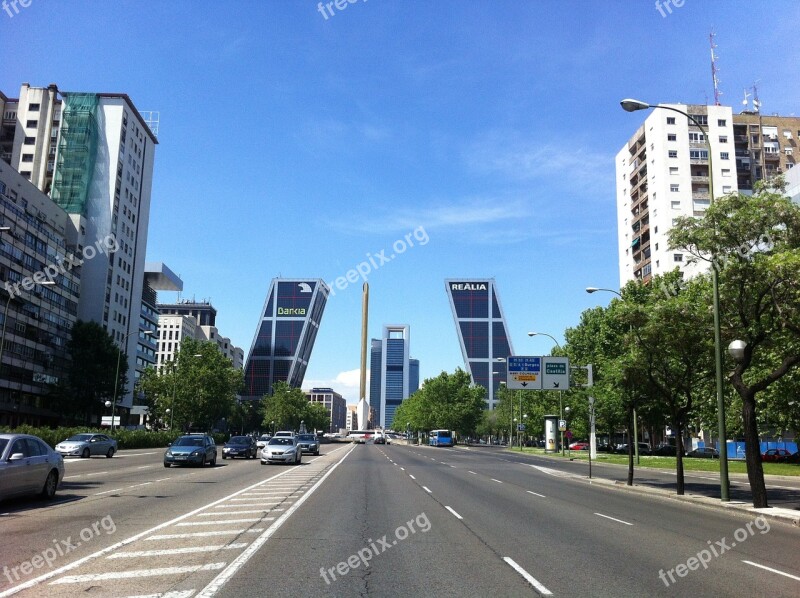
x=199, y=388
x=449, y=401
x=89, y=379
x=754, y=242
x=289, y=406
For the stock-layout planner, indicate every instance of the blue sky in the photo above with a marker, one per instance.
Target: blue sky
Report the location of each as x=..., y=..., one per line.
x=295, y=145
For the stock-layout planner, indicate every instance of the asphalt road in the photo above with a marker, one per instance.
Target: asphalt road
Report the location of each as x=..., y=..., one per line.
x=378, y=520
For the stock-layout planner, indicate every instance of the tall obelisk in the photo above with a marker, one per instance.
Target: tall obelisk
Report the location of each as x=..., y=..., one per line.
x=362, y=411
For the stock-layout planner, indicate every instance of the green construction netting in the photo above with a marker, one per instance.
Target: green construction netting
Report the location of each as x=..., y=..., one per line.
x=77, y=151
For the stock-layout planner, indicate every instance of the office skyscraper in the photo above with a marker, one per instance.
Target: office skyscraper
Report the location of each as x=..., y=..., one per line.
x=391, y=373
x=285, y=335
x=482, y=332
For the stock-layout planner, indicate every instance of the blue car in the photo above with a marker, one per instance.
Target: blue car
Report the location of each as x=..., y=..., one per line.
x=192, y=449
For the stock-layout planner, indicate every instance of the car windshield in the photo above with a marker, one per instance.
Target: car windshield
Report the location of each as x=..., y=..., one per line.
x=3, y=443
x=307, y=437
x=265, y=437
x=80, y=438
x=281, y=441
x=188, y=441
x=239, y=440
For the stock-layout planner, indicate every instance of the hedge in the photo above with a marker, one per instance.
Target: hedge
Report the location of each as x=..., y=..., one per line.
x=126, y=439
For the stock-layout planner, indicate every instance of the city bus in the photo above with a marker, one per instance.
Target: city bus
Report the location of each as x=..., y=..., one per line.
x=360, y=436
x=440, y=438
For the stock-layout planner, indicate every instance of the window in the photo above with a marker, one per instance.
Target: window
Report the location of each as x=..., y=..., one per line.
x=673, y=170
x=670, y=120
x=674, y=188
x=723, y=156
x=27, y=157
x=33, y=107
x=726, y=189
x=721, y=122
x=701, y=118
x=726, y=172
x=29, y=141
x=672, y=137
x=678, y=257
x=698, y=154
x=676, y=204
x=32, y=123
x=673, y=153
x=656, y=246
x=696, y=137
x=723, y=139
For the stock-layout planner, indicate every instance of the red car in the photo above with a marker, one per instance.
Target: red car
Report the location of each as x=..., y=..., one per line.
x=579, y=446
x=775, y=455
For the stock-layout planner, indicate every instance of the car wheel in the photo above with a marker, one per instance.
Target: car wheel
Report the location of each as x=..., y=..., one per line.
x=166, y=465
x=213, y=462
x=110, y=452
x=316, y=453
x=85, y=454
x=203, y=462
x=224, y=457
x=49, y=489
x=299, y=458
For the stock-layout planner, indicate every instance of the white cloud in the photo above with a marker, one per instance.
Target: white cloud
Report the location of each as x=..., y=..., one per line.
x=346, y=383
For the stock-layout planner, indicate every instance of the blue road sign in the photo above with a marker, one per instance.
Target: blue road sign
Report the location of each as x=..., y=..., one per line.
x=524, y=373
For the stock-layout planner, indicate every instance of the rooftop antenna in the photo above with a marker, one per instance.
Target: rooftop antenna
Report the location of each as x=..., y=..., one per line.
x=152, y=119
x=714, y=70
x=756, y=101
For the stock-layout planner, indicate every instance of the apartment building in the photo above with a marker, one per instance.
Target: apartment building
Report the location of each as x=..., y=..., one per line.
x=93, y=154
x=334, y=403
x=663, y=171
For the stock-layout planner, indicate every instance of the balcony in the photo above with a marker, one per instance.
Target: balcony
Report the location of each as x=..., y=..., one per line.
x=700, y=194
x=772, y=156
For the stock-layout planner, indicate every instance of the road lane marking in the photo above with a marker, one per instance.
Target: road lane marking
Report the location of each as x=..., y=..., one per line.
x=216, y=513
x=117, y=545
x=84, y=475
x=402, y=469
x=219, y=522
x=472, y=472
x=613, y=519
x=528, y=577
x=772, y=570
x=535, y=493
x=225, y=532
x=498, y=481
x=453, y=512
x=169, y=551
x=107, y=491
x=172, y=594
x=138, y=485
x=412, y=477
x=426, y=489
x=137, y=573
x=222, y=578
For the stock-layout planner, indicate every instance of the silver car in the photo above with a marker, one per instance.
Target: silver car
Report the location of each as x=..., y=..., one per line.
x=28, y=466
x=86, y=445
x=282, y=449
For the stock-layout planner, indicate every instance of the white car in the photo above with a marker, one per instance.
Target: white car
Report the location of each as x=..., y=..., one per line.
x=262, y=441
x=282, y=449
x=28, y=466
x=86, y=445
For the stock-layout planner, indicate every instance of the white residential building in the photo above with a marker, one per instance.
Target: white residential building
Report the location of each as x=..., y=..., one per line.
x=93, y=154
x=172, y=329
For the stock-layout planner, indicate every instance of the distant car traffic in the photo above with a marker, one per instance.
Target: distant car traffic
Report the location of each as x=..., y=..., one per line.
x=282, y=449
x=704, y=453
x=665, y=450
x=192, y=449
x=308, y=443
x=644, y=449
x=775, y=455
x=262, y=441
x=579, y=446
x=240, y=446
x=28, y=466
x=86, y=445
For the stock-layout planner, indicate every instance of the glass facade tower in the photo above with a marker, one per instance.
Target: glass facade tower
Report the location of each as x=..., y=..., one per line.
x=285, y=335
x=482, y=332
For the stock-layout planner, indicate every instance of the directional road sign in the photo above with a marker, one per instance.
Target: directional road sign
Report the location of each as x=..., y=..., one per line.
x=524, y=373
x=555, y=375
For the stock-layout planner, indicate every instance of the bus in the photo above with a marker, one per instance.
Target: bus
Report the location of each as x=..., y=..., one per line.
x=360, y=436
x=440, y=438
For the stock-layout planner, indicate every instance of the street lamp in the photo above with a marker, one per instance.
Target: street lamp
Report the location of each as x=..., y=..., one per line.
x=631, y=105
x=169, y=412
x=116, y=377
x=560, y=392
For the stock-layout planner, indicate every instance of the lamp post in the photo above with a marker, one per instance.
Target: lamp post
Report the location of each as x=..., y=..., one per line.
x=273, y=427
x=116, y=377
x=560, y=392
x=591, y=290
x=631, y=105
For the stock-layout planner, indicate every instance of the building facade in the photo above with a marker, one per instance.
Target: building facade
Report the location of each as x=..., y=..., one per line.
x=663, y=172
x=482, y=332
x=285, y=335
x=36, y=238
x=334, y=403
x=93, y=154
x=391, y=380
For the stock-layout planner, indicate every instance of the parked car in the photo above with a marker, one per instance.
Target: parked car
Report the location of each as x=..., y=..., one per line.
x=774, y=455
x=644, y=449
x=240, y=446
x=579, y=446
x=262, y=441
x=308, y=443
x=28, y=466
x=665, y=450
x=795, y=458
x=704, y=453
x=86, y=445
x=191, y=449
x=282, y=449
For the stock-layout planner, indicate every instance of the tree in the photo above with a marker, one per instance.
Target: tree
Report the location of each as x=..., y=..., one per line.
x=287, y=407
x=754, y=242
x=89, y=379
